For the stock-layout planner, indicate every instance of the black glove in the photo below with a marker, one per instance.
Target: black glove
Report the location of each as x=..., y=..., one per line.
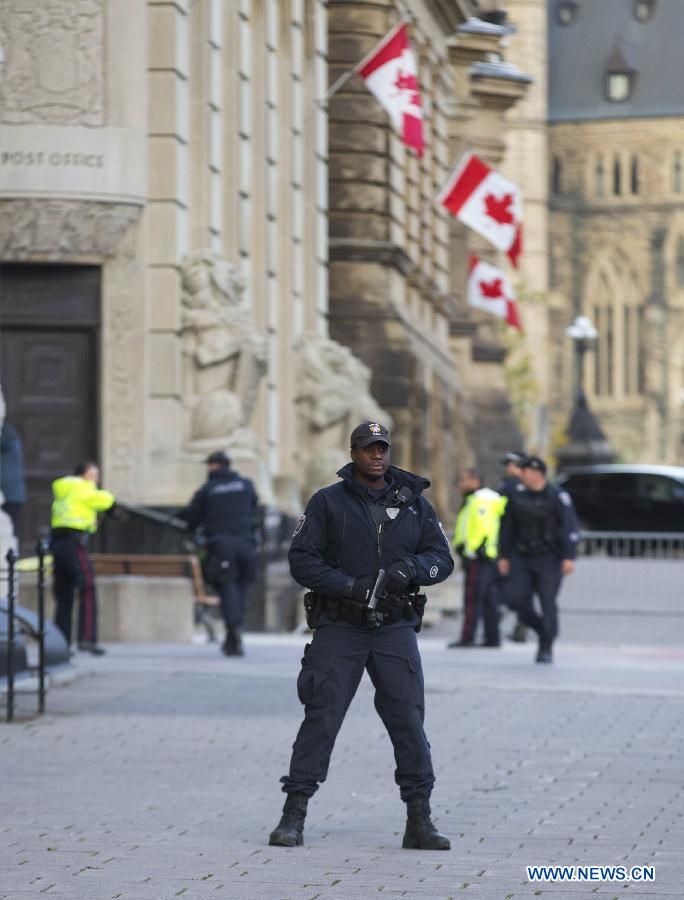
x=388, y=603
x=398, y=577
x=361, y=589
x=460, y=549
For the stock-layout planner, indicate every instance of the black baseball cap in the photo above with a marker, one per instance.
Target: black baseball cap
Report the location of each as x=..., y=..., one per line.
x=218, y=458
x=368, y=433
x=513, y=456
x=534, y=462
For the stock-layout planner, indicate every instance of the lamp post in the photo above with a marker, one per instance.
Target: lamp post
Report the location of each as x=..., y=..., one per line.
x=586, y=444
x=584, y=336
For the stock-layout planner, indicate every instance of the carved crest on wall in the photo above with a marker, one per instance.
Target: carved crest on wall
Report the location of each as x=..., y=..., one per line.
x=62, y=229
x=52, y=69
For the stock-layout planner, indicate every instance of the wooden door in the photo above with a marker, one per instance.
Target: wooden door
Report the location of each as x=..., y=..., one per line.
x=48, y=357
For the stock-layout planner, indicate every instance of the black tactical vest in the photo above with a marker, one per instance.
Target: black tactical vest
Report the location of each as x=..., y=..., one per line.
x=538, y=521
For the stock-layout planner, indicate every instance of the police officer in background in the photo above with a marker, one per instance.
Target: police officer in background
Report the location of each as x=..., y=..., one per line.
x=225, y=508
x=77, y=502
x=374, y=519
x=476, y=537
x=537, y=547
x=509, y=485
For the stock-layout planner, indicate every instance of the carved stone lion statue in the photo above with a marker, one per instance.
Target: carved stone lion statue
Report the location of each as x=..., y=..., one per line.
x=333, y=395
x=224, y=355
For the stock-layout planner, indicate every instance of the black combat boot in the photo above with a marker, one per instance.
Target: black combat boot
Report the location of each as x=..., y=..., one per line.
x=289, y=832
x=421, y=833
x=232, y=645
x=544, y=653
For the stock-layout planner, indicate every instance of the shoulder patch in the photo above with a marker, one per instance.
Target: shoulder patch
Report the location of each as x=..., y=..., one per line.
x=300, y=525
x=565, y=498
x=434, y=571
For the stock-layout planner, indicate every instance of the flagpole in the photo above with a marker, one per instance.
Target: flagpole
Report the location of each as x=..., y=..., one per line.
x=344, y=78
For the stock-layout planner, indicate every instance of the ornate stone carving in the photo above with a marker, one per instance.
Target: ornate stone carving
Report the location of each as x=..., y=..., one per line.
x=123, y=333
x=62, y=229
x=333, y=395
x=53, y=66
x=224, y=356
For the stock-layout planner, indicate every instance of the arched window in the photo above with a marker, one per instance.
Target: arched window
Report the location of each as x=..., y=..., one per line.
x=556, y=176
x=677, y=173
x=617, y=176
x=612, y=298
x=599, y=178
x=634, y=175
x=679, y=262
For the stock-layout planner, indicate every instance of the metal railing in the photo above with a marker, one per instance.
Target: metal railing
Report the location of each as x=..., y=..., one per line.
x=633, y=544
x=12, y=642
x=633, y=574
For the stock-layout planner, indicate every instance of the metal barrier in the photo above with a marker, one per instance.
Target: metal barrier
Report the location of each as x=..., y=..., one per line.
x=632, y=544
x=11, y=587
x=627, y=573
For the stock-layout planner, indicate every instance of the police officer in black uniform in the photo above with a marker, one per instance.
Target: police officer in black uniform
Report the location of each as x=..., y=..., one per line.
x=537, y=547
x=509, y=485
x=374, y=519
x=225, y=507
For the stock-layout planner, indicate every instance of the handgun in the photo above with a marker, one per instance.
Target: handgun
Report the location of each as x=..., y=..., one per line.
x=375, y=618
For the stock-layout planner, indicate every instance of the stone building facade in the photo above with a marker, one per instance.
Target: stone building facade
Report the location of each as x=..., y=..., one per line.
x=198, y=251
x=616, y=142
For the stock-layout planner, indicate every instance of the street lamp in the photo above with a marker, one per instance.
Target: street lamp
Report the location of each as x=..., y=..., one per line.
x=584, y=335
x=586, y=444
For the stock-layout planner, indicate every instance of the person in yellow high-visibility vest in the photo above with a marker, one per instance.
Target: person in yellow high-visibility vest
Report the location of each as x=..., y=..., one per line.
x=77, y=502
x=476, y=538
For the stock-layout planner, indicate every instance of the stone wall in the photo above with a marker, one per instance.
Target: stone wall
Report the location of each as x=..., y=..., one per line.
x=618, y=256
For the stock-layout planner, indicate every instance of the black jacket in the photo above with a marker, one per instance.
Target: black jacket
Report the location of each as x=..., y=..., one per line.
x=539, y=522
x=225, y=504
x=510, y=485
x=337, y=541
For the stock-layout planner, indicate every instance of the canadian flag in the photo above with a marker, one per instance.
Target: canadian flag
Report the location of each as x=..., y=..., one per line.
x=490, y=290
x=391, y=74
x=486, y=202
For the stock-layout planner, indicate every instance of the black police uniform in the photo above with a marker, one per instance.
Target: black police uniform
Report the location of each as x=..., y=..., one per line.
x=539, y=529
x=225, y=508
x=350, y=532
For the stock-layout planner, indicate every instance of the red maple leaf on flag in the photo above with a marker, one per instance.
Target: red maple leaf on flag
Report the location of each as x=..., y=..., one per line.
x=491, y=289
x=405, y=81
x=499, y=209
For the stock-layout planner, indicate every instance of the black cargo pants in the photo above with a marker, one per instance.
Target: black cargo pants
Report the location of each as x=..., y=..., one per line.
x=332, y=668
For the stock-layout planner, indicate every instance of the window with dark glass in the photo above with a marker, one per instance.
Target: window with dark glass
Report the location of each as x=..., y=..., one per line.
x=599, y=178
x=617, y=176
x=556, y=176
x=677, y=173
x=679, y=262
x=634, y=175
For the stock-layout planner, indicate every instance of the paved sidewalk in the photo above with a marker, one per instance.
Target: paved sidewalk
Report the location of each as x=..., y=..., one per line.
x=155, y=775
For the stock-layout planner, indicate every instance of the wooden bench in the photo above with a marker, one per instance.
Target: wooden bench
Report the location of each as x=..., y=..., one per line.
x=164, y=566
x=160, y=565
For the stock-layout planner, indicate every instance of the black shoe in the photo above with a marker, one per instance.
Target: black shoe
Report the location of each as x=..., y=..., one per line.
x=421, y=833
x=490, y=644
x=289, y=832
x=460, y=643
x=91, y=647
x=544, y=654
x=232, y=645
x=519, y=633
